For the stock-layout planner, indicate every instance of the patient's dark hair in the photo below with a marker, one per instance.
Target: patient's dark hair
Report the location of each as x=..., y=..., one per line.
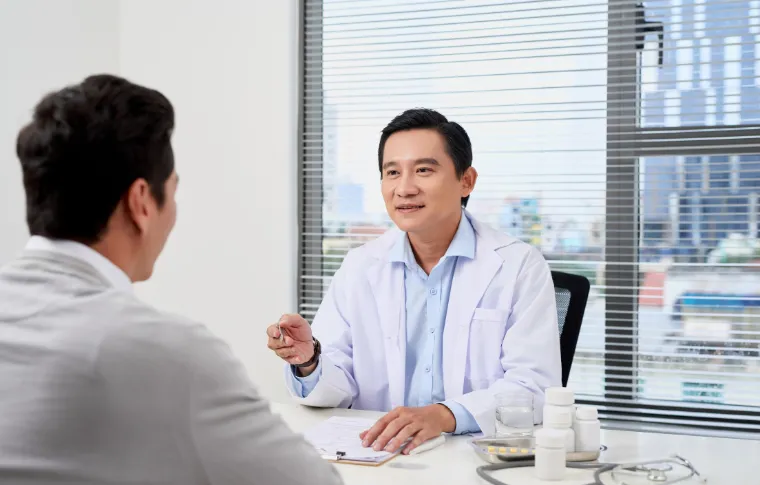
x=85, y=146
x=457, y=142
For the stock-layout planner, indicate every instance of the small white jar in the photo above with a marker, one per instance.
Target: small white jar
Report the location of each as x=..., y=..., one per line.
x=560, y=397
x=560, y=418
x=550, y=454
x=587, y=429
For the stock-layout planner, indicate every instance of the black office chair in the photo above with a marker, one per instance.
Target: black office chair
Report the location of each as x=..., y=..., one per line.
x=571, y=292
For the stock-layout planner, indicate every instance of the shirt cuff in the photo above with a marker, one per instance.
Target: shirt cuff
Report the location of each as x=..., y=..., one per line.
x=302, y=386
x=465, y=422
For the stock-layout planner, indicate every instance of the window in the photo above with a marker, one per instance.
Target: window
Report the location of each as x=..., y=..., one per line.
x=621, y=139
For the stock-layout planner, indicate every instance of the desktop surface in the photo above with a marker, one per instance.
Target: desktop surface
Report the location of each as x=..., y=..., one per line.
x=722, y=461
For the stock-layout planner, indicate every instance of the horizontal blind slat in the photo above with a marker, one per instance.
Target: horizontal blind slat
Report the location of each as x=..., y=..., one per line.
x=534, y=13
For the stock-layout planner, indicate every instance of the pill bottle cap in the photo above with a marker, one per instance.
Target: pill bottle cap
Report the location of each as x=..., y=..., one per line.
x=587, y=413
x=560, y=396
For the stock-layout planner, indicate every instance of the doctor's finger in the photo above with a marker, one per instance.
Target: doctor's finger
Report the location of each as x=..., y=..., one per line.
x=421, y=437
x=276, y=343
x=286, y=352
x=369, y=436
x=273, y=331
x=292, y=321
x=390, y=431
x=406, y=432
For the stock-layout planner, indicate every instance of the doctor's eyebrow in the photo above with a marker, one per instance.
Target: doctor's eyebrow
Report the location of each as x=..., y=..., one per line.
x=419, y=161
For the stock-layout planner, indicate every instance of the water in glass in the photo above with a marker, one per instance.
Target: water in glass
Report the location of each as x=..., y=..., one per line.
x=514, y=415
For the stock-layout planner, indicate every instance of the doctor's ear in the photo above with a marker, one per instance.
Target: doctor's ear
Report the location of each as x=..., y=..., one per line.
x=469, y=177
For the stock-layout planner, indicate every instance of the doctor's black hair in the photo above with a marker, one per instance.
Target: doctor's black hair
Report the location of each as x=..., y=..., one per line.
x=457, y=142
x=84, y=147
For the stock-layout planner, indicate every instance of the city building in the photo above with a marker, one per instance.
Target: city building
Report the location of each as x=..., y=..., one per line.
x=708, y=78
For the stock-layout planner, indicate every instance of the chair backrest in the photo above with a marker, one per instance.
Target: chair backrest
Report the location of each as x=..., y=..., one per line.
x=571, y=293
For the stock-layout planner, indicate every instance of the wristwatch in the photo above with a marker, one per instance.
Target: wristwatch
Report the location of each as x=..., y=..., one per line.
x=315, y=357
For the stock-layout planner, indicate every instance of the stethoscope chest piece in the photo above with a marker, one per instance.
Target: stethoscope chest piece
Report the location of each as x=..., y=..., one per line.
x=658, y=475
x=655, y=474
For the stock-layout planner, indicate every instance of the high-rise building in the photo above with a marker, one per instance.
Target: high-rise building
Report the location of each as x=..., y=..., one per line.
x=708, y=78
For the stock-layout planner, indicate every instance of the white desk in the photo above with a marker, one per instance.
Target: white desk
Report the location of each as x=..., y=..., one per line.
x=723, y=461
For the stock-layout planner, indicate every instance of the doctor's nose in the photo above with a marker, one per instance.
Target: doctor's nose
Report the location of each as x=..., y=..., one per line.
x=406, y=187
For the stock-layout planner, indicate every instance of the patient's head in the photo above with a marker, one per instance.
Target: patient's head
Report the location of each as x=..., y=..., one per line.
x=98, y=169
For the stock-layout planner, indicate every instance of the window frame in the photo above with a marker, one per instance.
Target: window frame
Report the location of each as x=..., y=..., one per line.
x=625, y=146
x=309, y=273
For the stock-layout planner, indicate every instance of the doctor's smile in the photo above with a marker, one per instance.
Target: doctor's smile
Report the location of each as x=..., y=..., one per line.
x=409, y=208
x=436, y=317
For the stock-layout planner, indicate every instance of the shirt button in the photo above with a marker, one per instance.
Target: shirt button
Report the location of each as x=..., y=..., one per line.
x=432, y=330
x=427, y=369
x=433, y=291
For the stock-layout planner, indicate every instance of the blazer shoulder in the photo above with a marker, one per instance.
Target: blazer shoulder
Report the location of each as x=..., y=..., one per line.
x=138, y=329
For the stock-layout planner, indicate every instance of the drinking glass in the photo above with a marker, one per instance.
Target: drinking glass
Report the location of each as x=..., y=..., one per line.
x=514, y=414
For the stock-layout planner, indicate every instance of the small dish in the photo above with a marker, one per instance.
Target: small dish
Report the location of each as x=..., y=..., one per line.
x=498, y=449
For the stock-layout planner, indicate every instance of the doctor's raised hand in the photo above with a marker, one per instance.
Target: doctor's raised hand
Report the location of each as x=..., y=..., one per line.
x=292, y=341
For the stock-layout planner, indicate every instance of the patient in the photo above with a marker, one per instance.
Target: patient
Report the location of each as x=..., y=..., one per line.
x=95, y=386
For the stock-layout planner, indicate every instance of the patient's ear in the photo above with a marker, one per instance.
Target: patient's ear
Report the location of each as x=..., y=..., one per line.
x=139, y=205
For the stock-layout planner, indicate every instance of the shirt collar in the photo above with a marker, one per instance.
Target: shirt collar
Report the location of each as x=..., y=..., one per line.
x=463, y=245
x=112, y=273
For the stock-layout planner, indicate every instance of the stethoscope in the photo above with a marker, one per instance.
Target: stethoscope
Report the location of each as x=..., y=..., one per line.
x=654, y=472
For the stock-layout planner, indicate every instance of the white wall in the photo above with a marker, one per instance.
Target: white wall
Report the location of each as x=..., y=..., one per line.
x=44, y=45
x=229, y=68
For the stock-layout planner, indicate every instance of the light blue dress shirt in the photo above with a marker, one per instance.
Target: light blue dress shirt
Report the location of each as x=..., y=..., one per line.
x=427, y=298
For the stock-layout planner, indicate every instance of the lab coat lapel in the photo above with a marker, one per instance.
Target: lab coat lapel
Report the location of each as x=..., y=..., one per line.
x=471, y=279
x=387, y=283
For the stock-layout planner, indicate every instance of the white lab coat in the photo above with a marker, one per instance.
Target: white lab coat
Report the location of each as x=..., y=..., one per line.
x=500, y=332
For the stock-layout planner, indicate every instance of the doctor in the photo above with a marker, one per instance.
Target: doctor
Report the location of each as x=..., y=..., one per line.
x=433, y=319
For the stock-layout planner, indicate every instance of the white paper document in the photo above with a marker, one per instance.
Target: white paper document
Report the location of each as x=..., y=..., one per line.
x=338, y=438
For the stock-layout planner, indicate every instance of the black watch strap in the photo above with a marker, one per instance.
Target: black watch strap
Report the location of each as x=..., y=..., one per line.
x=314, y=358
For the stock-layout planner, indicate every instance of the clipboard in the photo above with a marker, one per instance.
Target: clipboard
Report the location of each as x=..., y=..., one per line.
x=341, y=457
x=337, y=440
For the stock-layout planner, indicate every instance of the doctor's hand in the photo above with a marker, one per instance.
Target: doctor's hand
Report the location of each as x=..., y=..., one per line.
x=420, y=424
x=297, y=344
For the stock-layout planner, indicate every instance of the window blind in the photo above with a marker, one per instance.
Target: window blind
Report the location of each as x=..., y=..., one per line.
x=621, y=138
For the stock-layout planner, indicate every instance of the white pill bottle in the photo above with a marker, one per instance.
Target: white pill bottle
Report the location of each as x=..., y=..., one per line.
x=551, y=459
x=587, y=429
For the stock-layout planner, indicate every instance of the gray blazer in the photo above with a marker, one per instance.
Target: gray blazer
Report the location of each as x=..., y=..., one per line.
x=99, y=388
